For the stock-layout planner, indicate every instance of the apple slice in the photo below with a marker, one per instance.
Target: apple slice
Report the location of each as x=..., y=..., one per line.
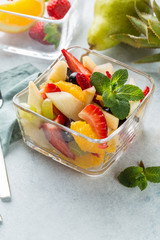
x=67, y=104
x=103, y=68
x=58, y=72
x=88, y=63
x=34, y=97
x=89, y=94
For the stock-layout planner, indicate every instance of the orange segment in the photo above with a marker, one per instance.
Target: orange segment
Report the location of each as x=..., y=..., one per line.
x=12, y=23
x=71, y=88
x=85, y=129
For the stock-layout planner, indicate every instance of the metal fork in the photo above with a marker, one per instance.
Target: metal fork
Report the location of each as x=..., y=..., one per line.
x=5, y=193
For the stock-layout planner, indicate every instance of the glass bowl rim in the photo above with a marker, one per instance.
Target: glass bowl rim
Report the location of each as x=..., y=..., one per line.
x=129, y=119
x=47, y=20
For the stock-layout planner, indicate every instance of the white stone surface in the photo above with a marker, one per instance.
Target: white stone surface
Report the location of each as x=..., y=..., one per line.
x=51, y=201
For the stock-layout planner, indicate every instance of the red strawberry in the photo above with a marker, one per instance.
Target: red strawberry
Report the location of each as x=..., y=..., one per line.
x=83, y=81
x=55, y=138
x=61, y=119
x=74, y=64
x=49, y=87
x=146, y=91
x=108, y=74
x=37, y=33
x=58, y=8
x=95, y=117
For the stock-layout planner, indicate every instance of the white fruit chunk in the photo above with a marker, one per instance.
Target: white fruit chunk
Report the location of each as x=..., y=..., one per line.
x=88, y=63
x=58, y=72
x=133, y=104
x=103, y=68
x=89, y=94
x=34, y=97
x=67, y=104
x=112, y=121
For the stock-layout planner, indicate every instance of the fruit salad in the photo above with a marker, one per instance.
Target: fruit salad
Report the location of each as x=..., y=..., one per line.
x=82, y=105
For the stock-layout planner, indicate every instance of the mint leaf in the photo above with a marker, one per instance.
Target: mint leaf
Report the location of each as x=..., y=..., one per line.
x=100, y=82
x=130, y=93
x=121, y=108
x=119, y=78
x=131, y=177
x=109, y=98
x=141, y=181
x=153, y=174
x=53, y=33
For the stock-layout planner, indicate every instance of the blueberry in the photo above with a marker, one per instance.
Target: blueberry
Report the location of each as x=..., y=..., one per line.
x=121, y=122
x=68, y=122
x=107, y=109
x=72, y=78
x=69, y=72
x=67, y=136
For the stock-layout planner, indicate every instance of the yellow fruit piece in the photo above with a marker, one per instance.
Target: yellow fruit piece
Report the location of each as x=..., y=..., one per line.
x=58, y=72
x=73, y=89
x=85, y=129
x=88, y=63
x=99, y=98
x=14, y=24
x=87, y=161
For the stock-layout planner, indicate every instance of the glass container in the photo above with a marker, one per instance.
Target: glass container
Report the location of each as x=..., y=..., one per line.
x=83, y=153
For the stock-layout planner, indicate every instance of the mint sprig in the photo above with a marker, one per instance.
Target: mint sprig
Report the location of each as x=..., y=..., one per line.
x=137, y=176
x=115, y=93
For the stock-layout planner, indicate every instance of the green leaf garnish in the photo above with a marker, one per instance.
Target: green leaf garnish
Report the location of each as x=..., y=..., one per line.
x=153, y=174
x=138, y=176
x=119, y=78
x=114, y=93
x=100, y=82
x=130, y=93
x=121, y=108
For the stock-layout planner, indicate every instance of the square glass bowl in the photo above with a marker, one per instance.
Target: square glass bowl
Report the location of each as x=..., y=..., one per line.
x=86, y=156
x=63, y=31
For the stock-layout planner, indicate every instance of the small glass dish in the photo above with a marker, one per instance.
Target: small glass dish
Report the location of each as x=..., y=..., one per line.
x=92, y=161
x=22, y=43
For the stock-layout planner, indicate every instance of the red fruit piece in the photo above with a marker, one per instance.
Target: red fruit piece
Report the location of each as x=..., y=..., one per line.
x=61, y=119
x=37, y=33
x=58, y=8
x=49, y=87
x=95, y=117
x=146, y=91
x=74, y=64
x=108, y=74
x=55, y=138
x=83, y=81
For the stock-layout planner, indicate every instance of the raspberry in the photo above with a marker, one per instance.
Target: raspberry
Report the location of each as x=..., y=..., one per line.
x=58, y=8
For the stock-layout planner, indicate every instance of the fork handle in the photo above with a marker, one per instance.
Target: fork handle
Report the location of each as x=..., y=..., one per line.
x=4, y=183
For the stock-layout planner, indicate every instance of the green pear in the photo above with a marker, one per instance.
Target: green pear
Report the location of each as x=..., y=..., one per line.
x=110, y=18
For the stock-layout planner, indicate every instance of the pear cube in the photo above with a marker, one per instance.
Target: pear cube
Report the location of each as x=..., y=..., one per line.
x=103, y=68
x=58, y=72
x=88, y=63
x=34, y=97
x=67, y=104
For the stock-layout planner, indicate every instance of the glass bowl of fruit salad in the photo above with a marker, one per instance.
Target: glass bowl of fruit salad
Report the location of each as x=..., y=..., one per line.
x=37, y=28
x=84, y=110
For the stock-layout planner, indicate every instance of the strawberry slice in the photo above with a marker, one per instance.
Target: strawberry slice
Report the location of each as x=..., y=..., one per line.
x=108, y=75
x=145, y=91
x=83, y=81
x=61, y=119
x=74, y=64
x=55, y=138
x=49, y=87
x=95, y=117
